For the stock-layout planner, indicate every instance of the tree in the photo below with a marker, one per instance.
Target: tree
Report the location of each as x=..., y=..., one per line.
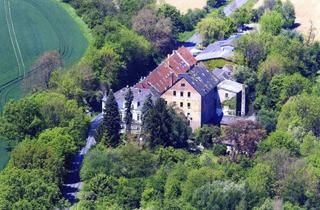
x=156, y=29
x=251, y=49
x=288, y=13
x=110, y=128
x=106, y=64
x=128, y=113
x=207, y=135
x=218, y=195
x=180, y=129
x=268, y=119
x=280, y=139
x=214, y=28
x=145, y=112
x=39, y=77
x=301, y=112
x=29, y=189
x=245, y=76
x=175, y=16
x=245, y=136
x=271, y=22
x=216, y=3
x=158, y=125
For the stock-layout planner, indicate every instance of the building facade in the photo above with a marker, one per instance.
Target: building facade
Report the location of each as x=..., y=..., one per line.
x=194, y=94
x=139, y=97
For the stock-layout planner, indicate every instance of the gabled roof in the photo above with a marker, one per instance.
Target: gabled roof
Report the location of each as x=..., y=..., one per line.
x=219, y=49
x=223, y=73
x=167, y=72
x=202, y=80
x=139, y=95
x=231, y=86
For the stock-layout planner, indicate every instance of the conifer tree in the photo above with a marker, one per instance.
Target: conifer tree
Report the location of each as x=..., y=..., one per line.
x=159, y=124
x=145, y=112
x=111, y=125
x=128, y=112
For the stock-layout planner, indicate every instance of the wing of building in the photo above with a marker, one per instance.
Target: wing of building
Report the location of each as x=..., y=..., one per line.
x=166, y=74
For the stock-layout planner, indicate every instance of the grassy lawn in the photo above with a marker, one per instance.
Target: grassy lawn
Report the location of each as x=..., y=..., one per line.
x=4, y=155
x=217, y=63
x=29, y=28
x=183, y=37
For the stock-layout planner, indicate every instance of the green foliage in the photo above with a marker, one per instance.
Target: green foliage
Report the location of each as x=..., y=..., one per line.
x=128, y=113
x=214, y=28
x=163, y=126
x=28, y=189
x=216, y=63
x=216, y=3
x=31, y=115
x=268, y=119
x=109, y=130
x=279, y=140
x=271, y=22
x=218, y=195
x=301, y=111
x=207, y=135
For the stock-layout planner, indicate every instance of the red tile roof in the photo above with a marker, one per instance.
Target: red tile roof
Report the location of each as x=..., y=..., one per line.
x=163, y=77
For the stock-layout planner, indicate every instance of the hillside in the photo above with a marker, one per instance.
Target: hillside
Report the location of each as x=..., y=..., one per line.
x=31, y=27
x=185, y=5
x=306, y=12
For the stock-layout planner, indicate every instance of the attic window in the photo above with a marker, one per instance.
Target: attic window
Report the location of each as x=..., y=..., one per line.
x=138, y=104
x=183, y=85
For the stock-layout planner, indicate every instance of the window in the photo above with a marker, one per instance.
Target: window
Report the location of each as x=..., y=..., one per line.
x=183, y=85
x=181, y=104
x=189, y=106
x=226, y=95
x=181, y=93
x=174, y=103
x=120, y=116
x=138, y=103
x=189, y=94
x=138, y=117
x=174, y=93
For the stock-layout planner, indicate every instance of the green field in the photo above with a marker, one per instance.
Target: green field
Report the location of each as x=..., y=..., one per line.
x=29, y=28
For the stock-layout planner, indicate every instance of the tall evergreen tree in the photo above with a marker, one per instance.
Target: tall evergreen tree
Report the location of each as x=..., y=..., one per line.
x=111, y=125
x=145, y=116
x=158, y=124
x=128, y=111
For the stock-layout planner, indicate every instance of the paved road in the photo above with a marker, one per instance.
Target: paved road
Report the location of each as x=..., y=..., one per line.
x=72, y=183
x=233, y=6
x=228, y=10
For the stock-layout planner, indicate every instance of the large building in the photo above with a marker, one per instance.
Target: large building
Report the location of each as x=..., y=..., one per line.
x=139, y=97
x=166, y=74
x=195, y=94
x=205, y=97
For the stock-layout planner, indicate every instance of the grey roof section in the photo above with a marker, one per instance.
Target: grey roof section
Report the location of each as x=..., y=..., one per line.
x=231, y=86
x=224, y=73
x=202, y=80
x=220, y=49
x=229, y=120
x=139, y=95
x=193, y=41
x=233, y=6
